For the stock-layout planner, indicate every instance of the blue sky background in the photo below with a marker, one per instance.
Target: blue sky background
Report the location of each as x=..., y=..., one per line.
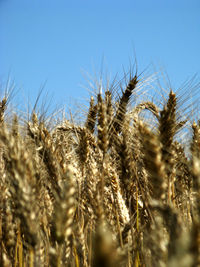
x=56, y=42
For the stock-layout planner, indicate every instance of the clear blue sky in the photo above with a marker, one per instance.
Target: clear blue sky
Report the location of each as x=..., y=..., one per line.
x=55, y=42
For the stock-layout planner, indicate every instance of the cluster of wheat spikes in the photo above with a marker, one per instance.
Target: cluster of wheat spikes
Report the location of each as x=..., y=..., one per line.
x=114, y=192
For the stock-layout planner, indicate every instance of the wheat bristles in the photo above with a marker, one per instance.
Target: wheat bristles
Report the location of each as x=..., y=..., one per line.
x=120, y=188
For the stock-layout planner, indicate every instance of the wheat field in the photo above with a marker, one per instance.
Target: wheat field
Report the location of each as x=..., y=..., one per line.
x=119, y=189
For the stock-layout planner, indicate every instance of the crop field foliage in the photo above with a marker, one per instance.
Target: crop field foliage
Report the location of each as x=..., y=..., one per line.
x=120, y=188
